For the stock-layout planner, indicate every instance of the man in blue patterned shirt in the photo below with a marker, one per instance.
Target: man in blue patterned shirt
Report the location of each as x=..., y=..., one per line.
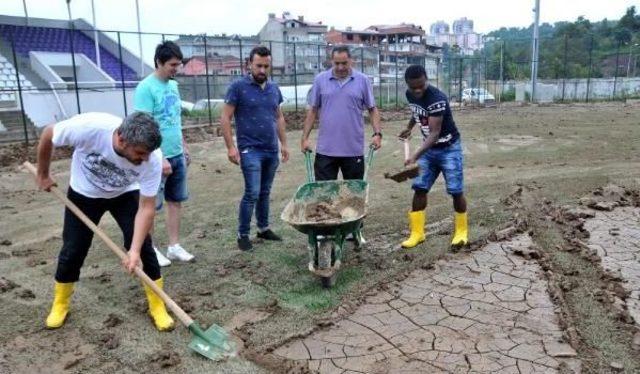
x=254, y=102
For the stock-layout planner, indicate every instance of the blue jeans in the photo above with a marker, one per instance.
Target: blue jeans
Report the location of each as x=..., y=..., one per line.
x=259, y=169
x=173, y=188
x=446, y=160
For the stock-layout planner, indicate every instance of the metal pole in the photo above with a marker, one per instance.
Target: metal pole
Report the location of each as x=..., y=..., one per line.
x=380, y=78
x=590, y=67
x=319, y=60
x=241, y=57
x=564, y=73
x=362, y=59
x=534, y=54
x=396, y=56
x=295, y=75
x=629, y=60
x=271, y=49
x=15, y=64
x=140, y=39
x=124, y=92
x=460, y=80
x=26, y=14
x=501, y=71
x=206, y=73
x=95, y=35
x=615, y=75
x=73, y=55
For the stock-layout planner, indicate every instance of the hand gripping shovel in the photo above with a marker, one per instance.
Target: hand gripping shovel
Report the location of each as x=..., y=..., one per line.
x=408, y=172
x=212, y=343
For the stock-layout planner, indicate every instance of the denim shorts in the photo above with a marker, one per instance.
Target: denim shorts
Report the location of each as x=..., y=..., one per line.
x=173, y=187
x=446, y=160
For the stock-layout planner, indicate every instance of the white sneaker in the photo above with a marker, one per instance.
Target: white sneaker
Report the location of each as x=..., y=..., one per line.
x=163, y=261
x=176, y=252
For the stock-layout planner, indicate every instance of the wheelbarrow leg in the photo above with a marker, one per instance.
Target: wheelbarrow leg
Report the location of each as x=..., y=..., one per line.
x=312, y=251
x=359, y=240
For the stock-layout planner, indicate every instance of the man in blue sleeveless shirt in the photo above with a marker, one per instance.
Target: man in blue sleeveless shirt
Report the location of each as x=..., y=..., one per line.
x=441, y=152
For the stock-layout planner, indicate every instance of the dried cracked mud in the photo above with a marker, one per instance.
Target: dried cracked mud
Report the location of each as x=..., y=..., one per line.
x=485, y=311
x=615, y=235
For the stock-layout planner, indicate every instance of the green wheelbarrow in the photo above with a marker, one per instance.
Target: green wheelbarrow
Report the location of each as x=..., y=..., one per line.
x=328, y=212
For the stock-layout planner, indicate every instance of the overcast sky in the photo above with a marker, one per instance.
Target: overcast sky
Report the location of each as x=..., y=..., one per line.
x=246, y=17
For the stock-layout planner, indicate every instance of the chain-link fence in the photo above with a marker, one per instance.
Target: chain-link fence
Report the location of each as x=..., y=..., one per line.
x=48, y=74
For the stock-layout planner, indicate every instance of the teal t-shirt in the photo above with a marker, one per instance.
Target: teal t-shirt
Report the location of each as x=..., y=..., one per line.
x=162, y=100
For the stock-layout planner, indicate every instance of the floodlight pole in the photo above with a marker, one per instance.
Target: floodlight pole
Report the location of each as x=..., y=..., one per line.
x=534, y=52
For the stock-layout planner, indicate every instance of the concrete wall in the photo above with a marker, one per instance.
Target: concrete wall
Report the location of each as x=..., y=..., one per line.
x=43, y=108
x=576, y=89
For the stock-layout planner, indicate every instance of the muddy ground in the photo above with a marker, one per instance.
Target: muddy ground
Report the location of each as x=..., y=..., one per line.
x=533, y=173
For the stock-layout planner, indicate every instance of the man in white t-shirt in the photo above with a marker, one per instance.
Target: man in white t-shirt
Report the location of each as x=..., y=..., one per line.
x=116, y=167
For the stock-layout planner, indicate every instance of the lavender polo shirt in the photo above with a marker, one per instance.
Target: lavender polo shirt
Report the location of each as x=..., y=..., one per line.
x=340, y=106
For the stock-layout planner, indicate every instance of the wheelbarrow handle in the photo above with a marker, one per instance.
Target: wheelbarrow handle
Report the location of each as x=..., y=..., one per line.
x=372, y=151
x=309, y=165
x=181, y=314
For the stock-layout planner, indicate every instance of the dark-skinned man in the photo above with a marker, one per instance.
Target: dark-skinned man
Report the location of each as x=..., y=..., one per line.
x=440, y=152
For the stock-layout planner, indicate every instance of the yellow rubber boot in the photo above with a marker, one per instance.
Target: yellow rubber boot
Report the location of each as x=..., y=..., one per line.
x=61, y=299
x=416, y=226
x=461, y=233
x=157, y=310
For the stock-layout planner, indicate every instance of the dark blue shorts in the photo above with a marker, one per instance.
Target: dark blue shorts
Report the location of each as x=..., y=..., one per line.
x=173, y=187
x=448, y=161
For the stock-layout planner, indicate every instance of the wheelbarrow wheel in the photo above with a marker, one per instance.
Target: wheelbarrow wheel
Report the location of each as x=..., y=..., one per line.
x=330, y=281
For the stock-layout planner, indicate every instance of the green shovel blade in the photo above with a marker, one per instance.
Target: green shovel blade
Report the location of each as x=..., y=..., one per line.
x=213, y=343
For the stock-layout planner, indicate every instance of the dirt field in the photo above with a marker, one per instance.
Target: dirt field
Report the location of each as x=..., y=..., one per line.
x=527, y=172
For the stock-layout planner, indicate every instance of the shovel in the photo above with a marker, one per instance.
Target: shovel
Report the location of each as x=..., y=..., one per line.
x=212, y=343
x=408, y=172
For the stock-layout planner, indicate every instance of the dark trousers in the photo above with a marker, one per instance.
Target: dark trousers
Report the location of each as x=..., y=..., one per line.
x=326, y=167
x=77, y=237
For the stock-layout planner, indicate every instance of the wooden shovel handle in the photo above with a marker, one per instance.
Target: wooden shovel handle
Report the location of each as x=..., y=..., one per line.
x=407, y=149
x=182, y=316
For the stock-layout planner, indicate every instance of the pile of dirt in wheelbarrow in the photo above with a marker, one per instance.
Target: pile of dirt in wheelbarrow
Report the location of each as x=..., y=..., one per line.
x=346, y=206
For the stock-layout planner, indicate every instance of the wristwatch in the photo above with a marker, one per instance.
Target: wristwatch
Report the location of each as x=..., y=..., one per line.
x=378, y=134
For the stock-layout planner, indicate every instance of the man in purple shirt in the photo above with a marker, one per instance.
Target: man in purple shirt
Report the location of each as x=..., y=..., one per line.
x=339, y=96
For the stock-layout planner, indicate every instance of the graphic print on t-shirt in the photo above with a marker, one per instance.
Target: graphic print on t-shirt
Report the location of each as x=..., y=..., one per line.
x=106, y=175
x=421, y=116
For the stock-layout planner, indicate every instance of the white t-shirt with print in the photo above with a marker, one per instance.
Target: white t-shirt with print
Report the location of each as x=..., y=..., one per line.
x=97, y=171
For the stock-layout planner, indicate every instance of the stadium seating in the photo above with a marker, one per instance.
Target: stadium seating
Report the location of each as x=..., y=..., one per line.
x=48, y=39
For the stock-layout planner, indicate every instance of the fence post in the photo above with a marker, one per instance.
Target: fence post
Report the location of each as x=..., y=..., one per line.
x=379, y=77
x=15, y=65
x=590, y=67
x=241, y=57
x=272, y=60
x=206, y=74
x=615, y=75
x=501, y=71
x=73, y=63
x=124, y=93
x=396, y=56
x=564, y=72
x=295, y=75
x=460, y=80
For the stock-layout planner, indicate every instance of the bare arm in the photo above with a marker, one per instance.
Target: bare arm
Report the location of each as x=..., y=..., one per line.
x=225, y=123
x=143, y=223
x=435, y=126
x=282, y=135
x=407, y=132
x=45, y=149
x=374, y=114
x=312, y=114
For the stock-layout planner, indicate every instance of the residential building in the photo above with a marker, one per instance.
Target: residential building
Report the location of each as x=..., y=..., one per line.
x=286, y=36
